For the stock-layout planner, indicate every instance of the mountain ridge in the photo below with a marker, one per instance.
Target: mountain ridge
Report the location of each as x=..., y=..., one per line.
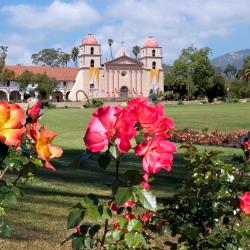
x=235, y=58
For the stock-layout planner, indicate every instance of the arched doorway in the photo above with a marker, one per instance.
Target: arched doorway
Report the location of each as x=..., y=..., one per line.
x=81, y=96
x=3, y=96
x=15, y=96
x=124, y=92
x=57, y=96
x=67, y=95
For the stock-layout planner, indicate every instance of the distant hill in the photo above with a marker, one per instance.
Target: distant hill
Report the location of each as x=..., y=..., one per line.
x=234, y=58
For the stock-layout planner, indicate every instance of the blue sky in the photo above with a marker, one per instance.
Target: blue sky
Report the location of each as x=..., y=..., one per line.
x=30, y=26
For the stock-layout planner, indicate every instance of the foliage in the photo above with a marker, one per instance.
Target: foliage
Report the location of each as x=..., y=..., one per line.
x=26, y=78
x=205, y=213
x=3, y=55
x=6, y=75
x=94, y=103
x=231, y=71
x=74, y=55
x=50, y=57
x=216, y=88
x=136, y=51
x=191, y=74
x=110, y=43
x=45, y=86
x=23, y=148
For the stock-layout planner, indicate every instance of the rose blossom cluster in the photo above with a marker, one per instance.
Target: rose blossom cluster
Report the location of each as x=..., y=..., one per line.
x=115, y=125
x=14, y=125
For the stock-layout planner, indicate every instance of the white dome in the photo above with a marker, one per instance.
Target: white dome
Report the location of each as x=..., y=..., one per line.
x=121, y=52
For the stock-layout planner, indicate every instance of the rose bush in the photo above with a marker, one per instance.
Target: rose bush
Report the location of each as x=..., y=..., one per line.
x=23, y=146
x=112, y=132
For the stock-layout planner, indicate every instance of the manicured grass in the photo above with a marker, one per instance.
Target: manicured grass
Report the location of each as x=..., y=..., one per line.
x=39, y=220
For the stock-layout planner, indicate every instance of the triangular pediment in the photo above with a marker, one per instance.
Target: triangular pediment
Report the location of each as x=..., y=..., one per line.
x=124, y=60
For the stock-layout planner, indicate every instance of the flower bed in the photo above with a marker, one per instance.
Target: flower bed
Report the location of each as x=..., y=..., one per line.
x=213, y=138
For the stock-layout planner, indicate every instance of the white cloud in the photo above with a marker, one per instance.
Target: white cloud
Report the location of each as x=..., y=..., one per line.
x=58, y=15
x=174, y=23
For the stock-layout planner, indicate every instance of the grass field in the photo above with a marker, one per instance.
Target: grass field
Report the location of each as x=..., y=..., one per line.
x=39, y=220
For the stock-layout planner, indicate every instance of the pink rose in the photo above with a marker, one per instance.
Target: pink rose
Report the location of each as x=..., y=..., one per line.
x=157, y=153
x=150, y=118
x=110, y=123
x=245, y=203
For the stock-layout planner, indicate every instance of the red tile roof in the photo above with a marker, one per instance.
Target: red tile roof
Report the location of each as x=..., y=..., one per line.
x=59, y=73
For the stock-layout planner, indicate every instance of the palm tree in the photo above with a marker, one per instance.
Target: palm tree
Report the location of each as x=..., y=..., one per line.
x=110, y=42
x=74, y=54
x=246, y=75
x=65, y=59
x=136, y=51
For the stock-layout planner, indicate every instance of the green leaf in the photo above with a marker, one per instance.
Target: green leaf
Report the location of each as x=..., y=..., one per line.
x=77, y=243
x=88, y=201
x=117, y=235
x=9, y=199
x=147, y=199
x=139, y=237
x=123, y=222
x=134, y=177
x=94, y=229
x=75, y=216
x=114, y=152
x=122, y=195
x=104, y=160
x=131, y=239
x=105, y=212
x=134, y=225
x=139, y=138
x=93, y=213
x=89, y=243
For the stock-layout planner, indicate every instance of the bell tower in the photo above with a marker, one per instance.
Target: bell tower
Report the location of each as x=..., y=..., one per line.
x=151, y=54
x=90, y=53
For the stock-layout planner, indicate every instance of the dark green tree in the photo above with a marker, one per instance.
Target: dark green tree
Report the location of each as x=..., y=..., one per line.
x=136, y=51
x=49, y=57
x=26, y=78
x=74, y=54
x=110, y=43
x=6, y=75
x=46, y=85
x=65, y=59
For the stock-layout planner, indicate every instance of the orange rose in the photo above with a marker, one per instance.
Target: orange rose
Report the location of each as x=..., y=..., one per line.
x=12, y=120
x=44, y=147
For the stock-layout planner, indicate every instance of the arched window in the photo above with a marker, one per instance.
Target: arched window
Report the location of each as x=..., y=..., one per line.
x=92, y=50
x=8, y=83
x=92, y=63
x=153, y=52
x=153, y=65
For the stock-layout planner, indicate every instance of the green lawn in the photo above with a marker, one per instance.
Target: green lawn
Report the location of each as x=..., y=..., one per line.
x=39, y=220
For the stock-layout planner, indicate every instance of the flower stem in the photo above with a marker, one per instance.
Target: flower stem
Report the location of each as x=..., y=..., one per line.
x=3, y=172
x=104, y=234
x=117, y=163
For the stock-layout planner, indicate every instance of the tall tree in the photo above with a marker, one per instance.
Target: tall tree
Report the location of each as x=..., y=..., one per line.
x=3, y=55
x=110, y=42
x=48, y=57
x=74, y=54
x=246, y=75
x=246, y=69
x=136, y=50
x=65, y=59
x=231, y=71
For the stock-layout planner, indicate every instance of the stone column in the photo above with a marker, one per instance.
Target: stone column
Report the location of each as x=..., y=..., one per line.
x=107, y=79
x=141, y=83
x=118, y=78
x=136, y=75
x=130, y=78
x=113, y=83
x=22, y=96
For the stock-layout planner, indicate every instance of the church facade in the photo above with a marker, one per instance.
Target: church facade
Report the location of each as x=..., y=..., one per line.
x=120, y=78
